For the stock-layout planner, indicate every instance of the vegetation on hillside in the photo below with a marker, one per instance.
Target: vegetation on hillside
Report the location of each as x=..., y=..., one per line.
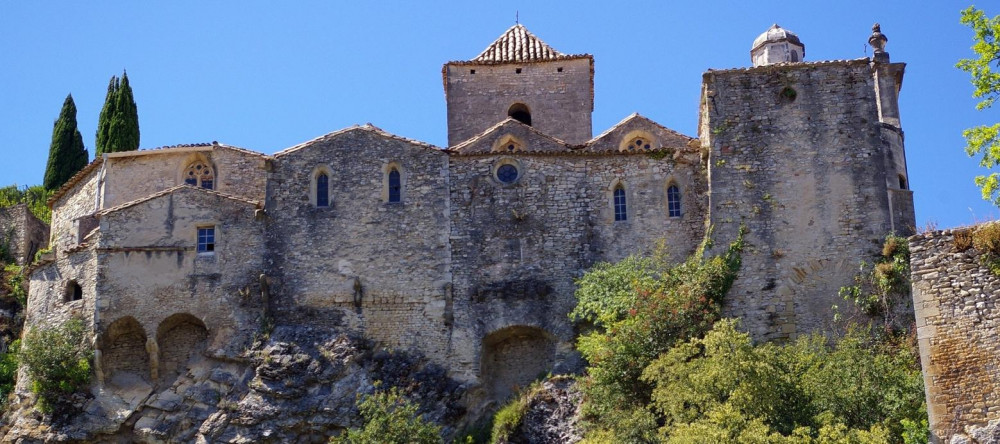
x=57, y=361
x=984, y=140
x=35, y=196
x=67, y=154
x=881, y=287
x=389, y=419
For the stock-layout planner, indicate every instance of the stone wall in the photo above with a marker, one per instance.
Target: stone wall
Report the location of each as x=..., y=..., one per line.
x=22, y=233
x=957, y=318
x=558, y=94
x=797, y=156
x=78, y=202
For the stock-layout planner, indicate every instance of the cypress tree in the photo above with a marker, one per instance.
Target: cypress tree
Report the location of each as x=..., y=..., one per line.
x=118, y=126
x=107, y=113
x=67, y=154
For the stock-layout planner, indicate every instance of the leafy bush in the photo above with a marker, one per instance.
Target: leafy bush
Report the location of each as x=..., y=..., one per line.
x=13, y=284
x=8, y=371
x=389, y=418
x=650, y=306
x=881, y=287
x=722, y=388
x=986, y=239
x=35, y=196
x=57, y=359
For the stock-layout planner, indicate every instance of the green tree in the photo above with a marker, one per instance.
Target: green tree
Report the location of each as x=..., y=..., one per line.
x=67, y=154
x=390, y=419
x=118, y=124
x=984, y=140
x=57, y=360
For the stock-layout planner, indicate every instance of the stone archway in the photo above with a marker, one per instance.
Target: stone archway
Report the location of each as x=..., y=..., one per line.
x=124, y=360
x=179, y=337
x=513, y=358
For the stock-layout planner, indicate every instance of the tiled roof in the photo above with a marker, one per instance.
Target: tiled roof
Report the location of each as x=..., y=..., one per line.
x=468, y=147
x=366, y=127
x=175, y=189
x=517, y=44
x=76, y=178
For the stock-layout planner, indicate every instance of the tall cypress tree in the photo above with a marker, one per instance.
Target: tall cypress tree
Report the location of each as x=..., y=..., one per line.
x=118, y=126
x=67, y=154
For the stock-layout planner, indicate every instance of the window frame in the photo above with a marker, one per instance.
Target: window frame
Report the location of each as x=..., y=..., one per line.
x=322, y=189
x=619, y=203
x=210, y=233
x=674, y=199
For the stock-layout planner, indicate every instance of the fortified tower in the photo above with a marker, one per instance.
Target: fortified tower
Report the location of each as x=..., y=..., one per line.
x=520, y=76
x=809, y=157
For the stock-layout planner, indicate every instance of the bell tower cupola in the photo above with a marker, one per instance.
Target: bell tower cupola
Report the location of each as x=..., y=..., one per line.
x=520, y=77
x=777, y=45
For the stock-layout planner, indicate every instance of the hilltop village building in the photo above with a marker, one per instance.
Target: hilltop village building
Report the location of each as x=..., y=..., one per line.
x=468, y=253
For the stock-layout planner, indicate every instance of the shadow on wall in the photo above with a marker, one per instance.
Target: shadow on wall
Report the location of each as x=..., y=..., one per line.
x=126, y=350
x=513, y=358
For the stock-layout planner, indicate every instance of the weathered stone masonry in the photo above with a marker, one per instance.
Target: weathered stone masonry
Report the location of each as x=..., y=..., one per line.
x=957, y=316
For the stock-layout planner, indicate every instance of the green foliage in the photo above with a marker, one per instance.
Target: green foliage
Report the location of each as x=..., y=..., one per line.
x=983, y=140
x=647, y=307
x=722, y=388
x=35, y=196
x=986, y=239
x=508, y=418
x=67, y=154
x=118, y=124
x=8, y=371
x=879, y=288
x=14, y=284
x=389, y=418
x=57, y=359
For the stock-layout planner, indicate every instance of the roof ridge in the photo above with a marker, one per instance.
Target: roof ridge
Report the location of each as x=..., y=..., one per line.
x=171, y=190
x=73, y=180
x=456, y=148
x=366, y=127
x=517, y=44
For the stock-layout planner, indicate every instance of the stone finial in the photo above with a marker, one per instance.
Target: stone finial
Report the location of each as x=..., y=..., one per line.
x=877, y=42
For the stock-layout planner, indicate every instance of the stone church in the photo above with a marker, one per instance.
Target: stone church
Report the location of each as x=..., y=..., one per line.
x=468, y=253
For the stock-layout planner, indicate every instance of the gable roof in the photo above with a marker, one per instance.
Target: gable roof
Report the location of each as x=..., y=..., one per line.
x=368, y=127
x=73, y=180
x=668, y=138
x=477, y=144
x=172, y=190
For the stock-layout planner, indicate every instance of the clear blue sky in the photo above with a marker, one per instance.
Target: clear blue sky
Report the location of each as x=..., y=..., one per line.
x=267, y=75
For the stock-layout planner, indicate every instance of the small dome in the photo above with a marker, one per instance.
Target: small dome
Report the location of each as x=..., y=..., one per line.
x=775, y=34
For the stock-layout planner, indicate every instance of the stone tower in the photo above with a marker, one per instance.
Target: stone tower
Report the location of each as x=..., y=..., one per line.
x=777, y=45
x=809, y=157
x=521, y=77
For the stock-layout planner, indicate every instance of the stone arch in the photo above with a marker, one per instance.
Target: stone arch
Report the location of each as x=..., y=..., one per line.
x=180, y=337
x=198, y=170
x=388, y=194
x=508, y=144
x=315, y=195
x=73, y=292
x=123, y=356
x=513, y=357
x=520, y=112
x=638, y=140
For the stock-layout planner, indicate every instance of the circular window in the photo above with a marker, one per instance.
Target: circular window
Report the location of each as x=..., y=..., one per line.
x=507, y=173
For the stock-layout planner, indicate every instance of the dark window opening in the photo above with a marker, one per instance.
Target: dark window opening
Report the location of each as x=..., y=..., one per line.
x=518, y=70
x=519, y=112
x=472, y=71
x=795, y=56
x=902, y=182
x=395, y=186
x=619, y=201
x=507, y=173
x=206, y=240
x=322, y=190
x=559, y=69
x=673, y=201
x=73, y=292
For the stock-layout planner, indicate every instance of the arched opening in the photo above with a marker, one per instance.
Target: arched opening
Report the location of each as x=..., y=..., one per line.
x=902, y=182
x=124, y=358
x=74, y=292
x=513, y=358
x=395, y=186
x=322, y=190
x=180, y=337
x=673, y=201
x=520, y=112
x=200, y=174
x=621, y=210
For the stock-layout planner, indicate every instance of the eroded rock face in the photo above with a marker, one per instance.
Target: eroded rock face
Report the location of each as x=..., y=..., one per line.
x=552, y=416
x=300, y=385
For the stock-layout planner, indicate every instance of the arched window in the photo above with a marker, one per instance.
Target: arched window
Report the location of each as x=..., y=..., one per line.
x=619, y=202
x=673, y=201
x=395, y=186
x=902, y=182
x=520, y=112
x=200, y=174
x=73, y=292
x=322, y=190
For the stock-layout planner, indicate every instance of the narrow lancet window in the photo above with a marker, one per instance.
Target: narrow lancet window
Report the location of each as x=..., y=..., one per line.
x=322, y=190
x=395, y=186
x=673, y=201
x=619, y=201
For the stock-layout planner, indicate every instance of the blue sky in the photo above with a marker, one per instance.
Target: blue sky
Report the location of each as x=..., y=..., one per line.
x=268, y=75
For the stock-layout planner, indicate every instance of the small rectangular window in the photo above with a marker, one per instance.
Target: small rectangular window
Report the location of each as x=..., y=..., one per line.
x=517, y=70
x=206, y=240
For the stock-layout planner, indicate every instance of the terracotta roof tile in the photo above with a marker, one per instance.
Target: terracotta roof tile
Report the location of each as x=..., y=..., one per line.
x=517, y=44
x=76, y=178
